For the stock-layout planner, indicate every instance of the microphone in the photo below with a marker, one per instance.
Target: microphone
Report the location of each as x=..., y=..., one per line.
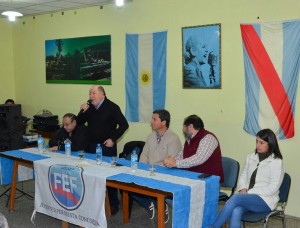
x=212, y=59
x=89, y=103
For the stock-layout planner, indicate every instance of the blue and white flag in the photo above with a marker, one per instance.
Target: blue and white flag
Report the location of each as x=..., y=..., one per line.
x=272, y=62
x=145, y=75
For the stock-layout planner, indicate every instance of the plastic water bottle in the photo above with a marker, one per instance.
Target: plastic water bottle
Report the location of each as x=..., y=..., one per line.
x=40, y=143
x=68, y=148
x=134, y=161
x=98, y=154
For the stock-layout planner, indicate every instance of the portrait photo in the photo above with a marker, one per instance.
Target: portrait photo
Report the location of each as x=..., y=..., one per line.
x=201, y=56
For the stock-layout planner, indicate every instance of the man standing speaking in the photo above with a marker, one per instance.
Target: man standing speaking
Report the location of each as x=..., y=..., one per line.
x=106, y=124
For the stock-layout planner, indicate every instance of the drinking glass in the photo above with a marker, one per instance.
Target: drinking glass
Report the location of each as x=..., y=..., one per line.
x=81, y=154
x=46, y=149
x=113, y=161
x=152, y=170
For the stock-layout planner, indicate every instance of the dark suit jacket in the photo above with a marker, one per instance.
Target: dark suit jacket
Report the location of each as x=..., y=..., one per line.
x=79, y=138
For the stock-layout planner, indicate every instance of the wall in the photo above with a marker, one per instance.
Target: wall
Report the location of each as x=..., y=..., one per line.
x=222, y=110
x=7, y=88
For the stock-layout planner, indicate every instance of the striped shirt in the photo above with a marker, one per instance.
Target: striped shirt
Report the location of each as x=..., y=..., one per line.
x=205, y=149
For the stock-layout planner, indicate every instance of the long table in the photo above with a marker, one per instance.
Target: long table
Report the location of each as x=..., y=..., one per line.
x=141, y=183
x=17, y=158
x=127, y=187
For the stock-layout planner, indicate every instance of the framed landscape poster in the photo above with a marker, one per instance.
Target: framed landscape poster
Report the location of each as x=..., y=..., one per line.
x=201, y=58
x=83, y=60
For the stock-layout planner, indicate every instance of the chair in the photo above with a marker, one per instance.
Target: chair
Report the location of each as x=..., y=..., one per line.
x=129, y=147
x=278, y=212
x=231, y=170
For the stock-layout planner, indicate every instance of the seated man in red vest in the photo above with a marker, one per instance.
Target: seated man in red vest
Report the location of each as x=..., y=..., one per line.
x=201, y=152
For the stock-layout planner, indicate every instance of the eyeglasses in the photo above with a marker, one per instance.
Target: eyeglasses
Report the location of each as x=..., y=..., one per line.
x=67, y=124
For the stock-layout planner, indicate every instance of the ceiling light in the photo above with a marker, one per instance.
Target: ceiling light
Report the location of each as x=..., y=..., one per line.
x=119, y=3
x=12, y=15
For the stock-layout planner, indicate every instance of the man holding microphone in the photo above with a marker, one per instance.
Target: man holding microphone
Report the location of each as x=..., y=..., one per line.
x=106, y=124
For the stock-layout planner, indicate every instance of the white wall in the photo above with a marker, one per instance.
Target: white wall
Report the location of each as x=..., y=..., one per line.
x=7, y=89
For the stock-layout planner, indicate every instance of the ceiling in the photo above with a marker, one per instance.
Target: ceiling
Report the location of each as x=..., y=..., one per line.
x=38, y=7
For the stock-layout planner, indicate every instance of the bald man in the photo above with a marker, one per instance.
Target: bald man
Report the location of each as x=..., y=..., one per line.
x=106, y=124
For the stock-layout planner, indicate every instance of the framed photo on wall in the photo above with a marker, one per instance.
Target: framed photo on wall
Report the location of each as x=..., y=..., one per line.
x=82, y=60
x=201, y=56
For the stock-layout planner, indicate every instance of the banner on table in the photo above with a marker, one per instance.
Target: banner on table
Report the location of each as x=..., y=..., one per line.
x=61, y=193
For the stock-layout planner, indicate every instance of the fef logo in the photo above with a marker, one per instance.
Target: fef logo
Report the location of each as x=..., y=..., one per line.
x=66, y=185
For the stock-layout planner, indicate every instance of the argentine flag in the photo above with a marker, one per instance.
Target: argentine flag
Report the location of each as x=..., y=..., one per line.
x=145, y=75
x=272, y=62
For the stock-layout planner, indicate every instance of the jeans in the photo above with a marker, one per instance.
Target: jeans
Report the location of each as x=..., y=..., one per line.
x=236, y=206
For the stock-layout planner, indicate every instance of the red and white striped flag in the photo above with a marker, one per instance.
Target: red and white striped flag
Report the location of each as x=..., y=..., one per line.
x=272, y=62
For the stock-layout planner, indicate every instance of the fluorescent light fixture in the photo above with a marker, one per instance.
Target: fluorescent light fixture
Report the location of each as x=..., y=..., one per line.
x=119, y=3
x=12, y=15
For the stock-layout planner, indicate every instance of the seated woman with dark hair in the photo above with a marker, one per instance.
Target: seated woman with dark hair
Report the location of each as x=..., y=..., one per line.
x=76, y=134
x=258, y=183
